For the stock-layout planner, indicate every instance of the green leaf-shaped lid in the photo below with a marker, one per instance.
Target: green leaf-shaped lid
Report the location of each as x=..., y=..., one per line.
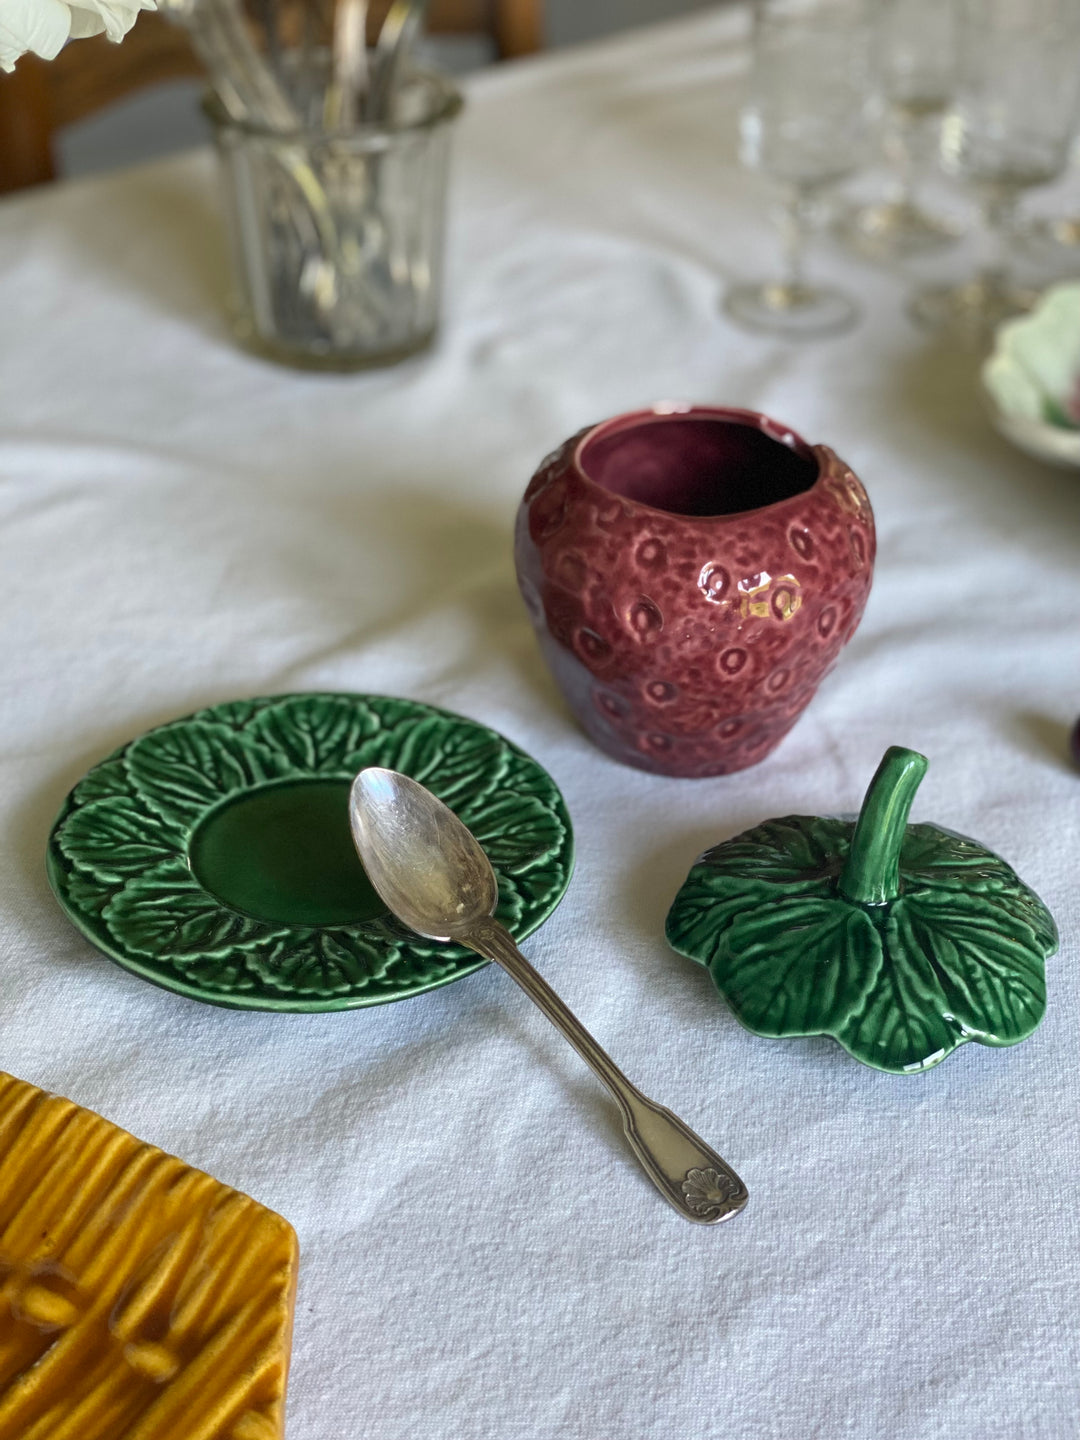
x=901, y=941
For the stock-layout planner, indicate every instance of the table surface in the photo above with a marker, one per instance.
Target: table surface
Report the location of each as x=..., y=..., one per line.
x=181, y=523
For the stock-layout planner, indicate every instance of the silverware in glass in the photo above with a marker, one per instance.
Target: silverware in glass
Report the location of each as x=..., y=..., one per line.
x=334, y=162
x=346, y=94
x=337, y=239
x=247, y=86
x=397, y=35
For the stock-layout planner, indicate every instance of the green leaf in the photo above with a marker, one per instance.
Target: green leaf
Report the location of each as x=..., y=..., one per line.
x=708, y=903
x=115, y=838
x=904, y=1025
x=322, y=963
x=958, y=966
x=456, y=762
x=541, y=886
x=790, y=850
x=987, y=959
x=939, y=857
x=392, y=711
x=798, y=966
x=165, y=913
x=320, y=734
x=522, y=776
x=226, y=973
x=235, y=714
x=1054, y=413
x=511, y=907
x=516, y=833
x=1026, y=904
x=182, y=770
x=104, y=780
x=88, y=894
x=791, y=856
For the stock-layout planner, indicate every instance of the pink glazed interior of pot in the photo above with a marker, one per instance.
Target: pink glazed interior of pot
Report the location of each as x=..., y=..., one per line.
x=697, y=465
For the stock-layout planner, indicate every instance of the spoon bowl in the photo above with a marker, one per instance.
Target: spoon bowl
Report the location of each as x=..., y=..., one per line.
x=427, y=866
x=432, y=873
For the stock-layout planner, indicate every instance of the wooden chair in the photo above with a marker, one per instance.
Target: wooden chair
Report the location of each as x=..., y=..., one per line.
x=41, y=98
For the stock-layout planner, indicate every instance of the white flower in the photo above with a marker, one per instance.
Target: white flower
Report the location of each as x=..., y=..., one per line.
x=44, y=26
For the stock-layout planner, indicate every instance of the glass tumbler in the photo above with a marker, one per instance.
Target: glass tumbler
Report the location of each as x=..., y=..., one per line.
x=337, y=236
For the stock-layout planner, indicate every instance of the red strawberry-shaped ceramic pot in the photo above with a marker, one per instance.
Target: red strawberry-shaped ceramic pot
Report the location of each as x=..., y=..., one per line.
x=693, y=574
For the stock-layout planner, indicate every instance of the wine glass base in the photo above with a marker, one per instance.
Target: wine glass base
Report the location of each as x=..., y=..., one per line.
x=971, y=313
x=1061, y=232
x=795, y=311
x=895, y=229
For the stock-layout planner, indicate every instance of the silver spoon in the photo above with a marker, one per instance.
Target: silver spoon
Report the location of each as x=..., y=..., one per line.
x=349, y=66
x=431, y=872
x=392, y=49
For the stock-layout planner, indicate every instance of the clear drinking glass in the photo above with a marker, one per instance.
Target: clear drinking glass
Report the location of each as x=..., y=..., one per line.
x=915, y=63
x=804, y=125
x=1009, y=129
x=337, y=237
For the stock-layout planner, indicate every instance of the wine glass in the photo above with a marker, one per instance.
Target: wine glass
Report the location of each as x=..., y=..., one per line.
x=915, y=62
x=804, y=125
x=1009, y=129
x=1053, y=240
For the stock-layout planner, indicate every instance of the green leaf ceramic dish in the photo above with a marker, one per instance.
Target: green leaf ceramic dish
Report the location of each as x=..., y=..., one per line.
x=901, y=941
x=212, y=855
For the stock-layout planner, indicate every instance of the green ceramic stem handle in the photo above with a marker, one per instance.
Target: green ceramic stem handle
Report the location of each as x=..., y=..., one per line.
x=871, y=874
x=693, y=1177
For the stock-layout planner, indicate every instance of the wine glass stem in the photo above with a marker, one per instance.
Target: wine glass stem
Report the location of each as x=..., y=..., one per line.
x=905, y=164
x=898, y=143
x=999, y=204
x=793, y=231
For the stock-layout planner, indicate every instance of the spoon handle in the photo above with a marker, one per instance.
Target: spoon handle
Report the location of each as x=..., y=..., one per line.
x=395, y=41
x=700, y=1185
x=349, y=67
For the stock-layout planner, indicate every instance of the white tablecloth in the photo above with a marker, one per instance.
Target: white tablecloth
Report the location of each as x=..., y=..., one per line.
x=181, y=523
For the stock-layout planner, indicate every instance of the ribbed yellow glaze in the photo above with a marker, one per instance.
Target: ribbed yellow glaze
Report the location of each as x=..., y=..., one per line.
x=139, y=1299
